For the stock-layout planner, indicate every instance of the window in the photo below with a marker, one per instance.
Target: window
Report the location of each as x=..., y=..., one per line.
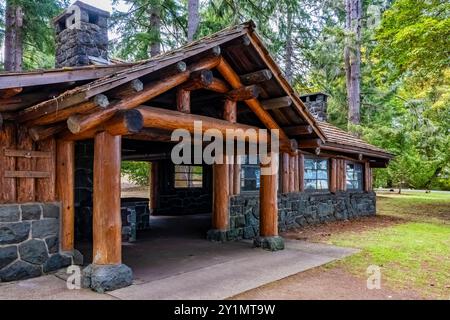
x=354, y=176
x=316, y=174
x=250, y=174
x=188, y=176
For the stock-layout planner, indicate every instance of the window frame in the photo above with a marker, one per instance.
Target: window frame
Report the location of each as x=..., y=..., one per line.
x=189, y=179
x=306, y=158
x=241, y=174
x=361, y=183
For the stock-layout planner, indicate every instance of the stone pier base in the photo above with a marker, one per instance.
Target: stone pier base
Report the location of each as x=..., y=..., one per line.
x=217, y=235
x=103, y=278
x=269, y=243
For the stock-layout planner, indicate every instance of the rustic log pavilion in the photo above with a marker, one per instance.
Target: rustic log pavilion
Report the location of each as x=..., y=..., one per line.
x=65, y=131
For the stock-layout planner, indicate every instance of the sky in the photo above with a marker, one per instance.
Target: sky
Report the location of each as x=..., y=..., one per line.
x=105, y=4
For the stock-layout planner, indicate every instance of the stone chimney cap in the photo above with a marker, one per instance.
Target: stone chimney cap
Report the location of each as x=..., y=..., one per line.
x=86, y=7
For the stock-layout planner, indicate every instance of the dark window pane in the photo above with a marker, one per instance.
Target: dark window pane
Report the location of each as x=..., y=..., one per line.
x=188, y=176
x=316, y=174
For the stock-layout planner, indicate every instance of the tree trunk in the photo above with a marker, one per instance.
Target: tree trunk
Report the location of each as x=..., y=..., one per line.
x=193, y=19
x=352, y=58
x=289, y=49
x=155, y=29
x=13, y=37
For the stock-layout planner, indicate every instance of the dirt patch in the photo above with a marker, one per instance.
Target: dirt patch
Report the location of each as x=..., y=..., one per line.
x=323, y=284
x=323, y=232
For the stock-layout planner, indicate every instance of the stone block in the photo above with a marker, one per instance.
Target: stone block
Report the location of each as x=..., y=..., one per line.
x=51, y=210
x=45, y=228
x=249, y=233
x=33, y=251
x=103, y=278
x=14, y=232
x=269, y=243
x=57, y=261
x=31, y=211
x=52, y=244
x=216, y=235
x=20, y=270
x=7, y=255
x=9, y=213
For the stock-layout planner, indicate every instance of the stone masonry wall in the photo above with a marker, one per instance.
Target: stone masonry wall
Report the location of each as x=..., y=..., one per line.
x=74, y=46
x=298, y=210
x=29, y=240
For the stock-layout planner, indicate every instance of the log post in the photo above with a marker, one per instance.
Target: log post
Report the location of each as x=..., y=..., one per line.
x=65, y=184
x=301, y=172
x=107, y=271
x=291, y=173
x=220, y=197
x=285, y=173
x=333, y=176
x=296, y=174
x=268, y=209
x=107, y=222
x=367, y=177
x=183, y=100
x=237, y=176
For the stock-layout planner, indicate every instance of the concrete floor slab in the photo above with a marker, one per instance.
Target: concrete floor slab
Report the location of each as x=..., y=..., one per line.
x=174, y=261
x=236, y=275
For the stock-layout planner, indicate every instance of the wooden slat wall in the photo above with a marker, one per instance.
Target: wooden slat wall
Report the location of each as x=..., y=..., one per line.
x=8, y=192
x=22, y=161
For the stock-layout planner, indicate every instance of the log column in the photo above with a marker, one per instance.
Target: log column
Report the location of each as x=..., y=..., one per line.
x=268, y=209
x=223, y=186
x=220, y=212
x=65, y=186
x=107, y=271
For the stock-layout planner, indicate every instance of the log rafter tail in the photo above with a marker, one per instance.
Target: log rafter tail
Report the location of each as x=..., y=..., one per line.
x=81, y=123
x=234, y=81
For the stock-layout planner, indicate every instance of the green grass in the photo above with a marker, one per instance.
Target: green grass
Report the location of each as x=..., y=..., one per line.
x=413, y=255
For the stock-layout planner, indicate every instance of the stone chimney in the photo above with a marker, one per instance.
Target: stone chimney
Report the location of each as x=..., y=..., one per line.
x=81, y=36
x=316, y=104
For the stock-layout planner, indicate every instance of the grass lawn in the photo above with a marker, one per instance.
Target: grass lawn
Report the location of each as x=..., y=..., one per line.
x=414, y=253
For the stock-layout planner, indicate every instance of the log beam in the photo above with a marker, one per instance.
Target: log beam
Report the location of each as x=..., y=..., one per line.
x=127, y=89
x=198, y=80
x=298, y=130
x=309, y=143
x=78, y=123
x=256, y=77
x=39, y=133
x=170, y=120
x=244, y=93
x=125, y=122
x=46, y=115
x=235, y=82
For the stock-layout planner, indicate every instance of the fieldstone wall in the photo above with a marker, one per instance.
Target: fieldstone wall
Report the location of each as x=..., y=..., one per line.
x=184, y=201
x=317, y=105
x=298, y=210
x=29, y=241
x=135, y=216
x=74, y=46
x=84, y=177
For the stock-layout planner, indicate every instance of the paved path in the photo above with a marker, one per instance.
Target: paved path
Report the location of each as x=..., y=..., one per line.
x=212, y=276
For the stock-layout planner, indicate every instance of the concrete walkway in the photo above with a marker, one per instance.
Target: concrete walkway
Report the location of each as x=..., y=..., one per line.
x=198, y=269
